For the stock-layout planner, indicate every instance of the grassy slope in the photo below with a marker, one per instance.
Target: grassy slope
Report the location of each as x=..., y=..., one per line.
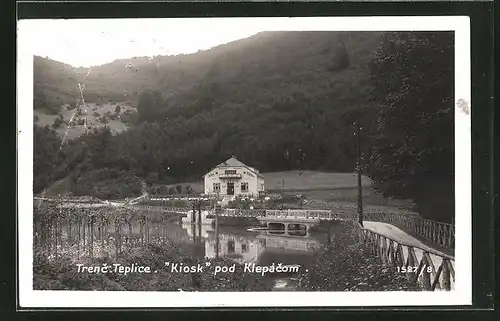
x=76, y=130
x=321, y=186
x=311, y=180
x=300, y=181
x=61, y=187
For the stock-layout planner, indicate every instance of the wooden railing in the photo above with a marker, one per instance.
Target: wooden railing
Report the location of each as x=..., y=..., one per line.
x=243, y=212
x=320, y=214
x=171, y=196
x=140, y=207
x=438, y=232
x=160, y=208
x=429, y=270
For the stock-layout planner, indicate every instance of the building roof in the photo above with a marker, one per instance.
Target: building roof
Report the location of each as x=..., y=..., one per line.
x=236, y=163
x=231, y=162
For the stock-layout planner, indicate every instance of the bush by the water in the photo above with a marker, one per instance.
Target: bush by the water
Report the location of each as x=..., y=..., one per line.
x=58, y=122
x=346, y=264
x=107, y=184
x=63, y=273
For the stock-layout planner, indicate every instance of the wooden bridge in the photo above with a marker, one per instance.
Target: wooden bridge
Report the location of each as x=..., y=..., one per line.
x=428, y=269
x=293, y=220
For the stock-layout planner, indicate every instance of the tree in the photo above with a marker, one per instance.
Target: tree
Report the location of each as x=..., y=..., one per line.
x=413, y=146
x=341, y=58
x=149, y=105
x=152, y=178
x=118, y=109
x=46, y=162
x=58, y=122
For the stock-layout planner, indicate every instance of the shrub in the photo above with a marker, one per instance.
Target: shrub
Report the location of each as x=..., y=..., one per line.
x=152, y=178
x=53, y=109
x=104, y=119
x=107, y=183
x=58, y=122
x=129, y=117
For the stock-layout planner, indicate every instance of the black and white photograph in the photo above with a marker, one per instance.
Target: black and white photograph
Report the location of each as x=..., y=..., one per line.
x=212, y=162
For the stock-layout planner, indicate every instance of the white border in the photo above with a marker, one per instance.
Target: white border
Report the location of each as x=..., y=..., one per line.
x=462, y=295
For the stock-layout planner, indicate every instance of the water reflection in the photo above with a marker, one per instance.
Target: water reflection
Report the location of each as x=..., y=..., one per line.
x=262, y=247
x=98, y=236
x=288, y=243
x=243, y=246
x=239, y=248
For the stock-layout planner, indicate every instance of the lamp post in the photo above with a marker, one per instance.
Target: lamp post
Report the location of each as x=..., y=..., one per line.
x=358, y=169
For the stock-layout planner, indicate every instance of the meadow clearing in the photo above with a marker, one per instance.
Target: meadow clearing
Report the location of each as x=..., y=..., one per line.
x=96, y=115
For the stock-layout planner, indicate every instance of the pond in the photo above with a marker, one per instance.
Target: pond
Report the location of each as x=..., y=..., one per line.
x=92, y=238
x=248, y=246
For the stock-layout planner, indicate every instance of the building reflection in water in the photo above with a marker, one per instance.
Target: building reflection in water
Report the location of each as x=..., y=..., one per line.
x=197, y=230
x=249, y=247
x=239, y=248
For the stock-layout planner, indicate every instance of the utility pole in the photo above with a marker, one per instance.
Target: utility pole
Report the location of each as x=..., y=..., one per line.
x=216, y=209
x=199, y=212
x=282, y=191
x=358, y=168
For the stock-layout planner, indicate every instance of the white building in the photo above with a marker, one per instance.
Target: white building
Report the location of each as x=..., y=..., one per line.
x=233, y=178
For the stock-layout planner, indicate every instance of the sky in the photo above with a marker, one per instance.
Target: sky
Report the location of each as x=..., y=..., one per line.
x=92, y=42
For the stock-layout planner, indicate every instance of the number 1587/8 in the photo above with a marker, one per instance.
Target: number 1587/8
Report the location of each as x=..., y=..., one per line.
x=413, y=269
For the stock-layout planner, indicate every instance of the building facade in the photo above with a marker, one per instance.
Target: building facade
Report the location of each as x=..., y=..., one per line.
x=233, y=178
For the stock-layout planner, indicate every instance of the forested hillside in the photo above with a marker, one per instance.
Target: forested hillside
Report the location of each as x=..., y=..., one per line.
x=272, y=99
x=55, y=84
x=266, y=59
x=277, y=100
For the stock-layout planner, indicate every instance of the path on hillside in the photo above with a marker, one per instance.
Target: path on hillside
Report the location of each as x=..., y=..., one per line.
x=397, y=234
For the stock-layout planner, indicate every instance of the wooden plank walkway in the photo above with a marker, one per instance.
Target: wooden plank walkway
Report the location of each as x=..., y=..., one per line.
x=397, y=234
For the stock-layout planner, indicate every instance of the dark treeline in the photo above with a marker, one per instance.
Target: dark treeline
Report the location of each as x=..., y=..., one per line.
x=280, y=101
x=413, y=147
